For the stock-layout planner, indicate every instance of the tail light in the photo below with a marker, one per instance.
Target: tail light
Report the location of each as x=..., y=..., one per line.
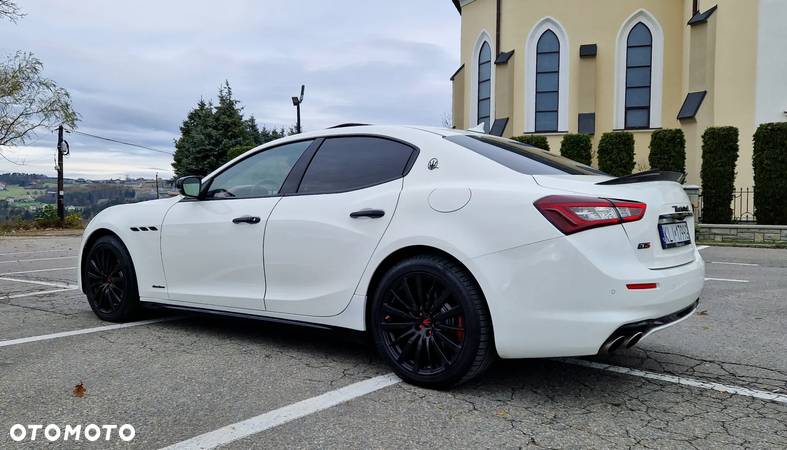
x=572, y=214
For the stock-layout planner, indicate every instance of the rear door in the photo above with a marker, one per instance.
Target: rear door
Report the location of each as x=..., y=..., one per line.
x=319, y=240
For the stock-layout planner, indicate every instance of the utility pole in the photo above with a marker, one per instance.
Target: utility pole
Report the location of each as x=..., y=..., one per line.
x=61, y=211
x=298, y=126
x=296, y=101
x=157, y=193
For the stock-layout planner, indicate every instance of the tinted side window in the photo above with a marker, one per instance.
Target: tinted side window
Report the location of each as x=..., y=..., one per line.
x=260, y=175
x=347, y=163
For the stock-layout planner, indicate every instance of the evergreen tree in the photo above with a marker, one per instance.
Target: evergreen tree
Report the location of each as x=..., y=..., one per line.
x=228, y=125
x=195, y=153
x=211, y=136
x=254, y=131
x=264, y=135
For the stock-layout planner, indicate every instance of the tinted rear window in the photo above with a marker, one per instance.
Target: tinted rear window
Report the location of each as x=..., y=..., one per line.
x=347, y=163
x=522, y=158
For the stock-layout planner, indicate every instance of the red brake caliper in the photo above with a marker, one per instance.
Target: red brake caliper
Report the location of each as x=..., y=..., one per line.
x=460, y=323
x=425, y=324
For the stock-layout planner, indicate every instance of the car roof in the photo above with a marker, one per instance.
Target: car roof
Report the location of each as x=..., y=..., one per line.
x=384, y=130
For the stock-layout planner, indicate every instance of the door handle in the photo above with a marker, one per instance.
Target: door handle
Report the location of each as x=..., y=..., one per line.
x=246, y=219
x=371, y=213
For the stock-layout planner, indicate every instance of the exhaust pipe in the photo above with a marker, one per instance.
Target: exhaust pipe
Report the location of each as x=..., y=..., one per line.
x=619, y=341
x=612, y=344
x=633, y=339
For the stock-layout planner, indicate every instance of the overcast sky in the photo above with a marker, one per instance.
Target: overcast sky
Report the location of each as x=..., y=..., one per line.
x=135, y=69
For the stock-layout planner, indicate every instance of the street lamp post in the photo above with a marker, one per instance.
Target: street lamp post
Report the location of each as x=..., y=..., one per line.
x=296, y=101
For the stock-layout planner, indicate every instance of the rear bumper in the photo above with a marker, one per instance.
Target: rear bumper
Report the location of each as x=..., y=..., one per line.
x=630, y=334
x=568, y=296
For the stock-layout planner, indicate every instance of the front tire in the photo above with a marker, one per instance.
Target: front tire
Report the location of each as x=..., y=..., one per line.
x=430, y=322
x=110, y=281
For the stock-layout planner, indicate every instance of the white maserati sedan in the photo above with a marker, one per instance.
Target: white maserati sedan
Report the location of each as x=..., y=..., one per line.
x=449, y=247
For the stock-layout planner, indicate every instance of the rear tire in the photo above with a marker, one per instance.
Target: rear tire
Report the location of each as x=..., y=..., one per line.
x=110, y=281
x=430, y=321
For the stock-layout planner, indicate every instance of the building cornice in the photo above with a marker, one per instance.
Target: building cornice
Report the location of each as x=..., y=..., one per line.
x=457, y=72
x=459, y=4
x=503, y=57
x=702, y=17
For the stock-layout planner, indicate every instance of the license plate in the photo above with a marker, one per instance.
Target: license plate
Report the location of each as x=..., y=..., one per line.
x=674, y=234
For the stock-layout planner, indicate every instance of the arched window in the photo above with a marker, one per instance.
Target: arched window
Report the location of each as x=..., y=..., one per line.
x=547, y=82
x=639, y=64
x=546, y=77
x=484, y=85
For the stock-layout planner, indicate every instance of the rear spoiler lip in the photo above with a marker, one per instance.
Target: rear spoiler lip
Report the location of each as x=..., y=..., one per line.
x=645, y=177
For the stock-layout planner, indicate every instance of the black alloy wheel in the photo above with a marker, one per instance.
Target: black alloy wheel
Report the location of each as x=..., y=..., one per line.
x=431, y=323
x=109, y=280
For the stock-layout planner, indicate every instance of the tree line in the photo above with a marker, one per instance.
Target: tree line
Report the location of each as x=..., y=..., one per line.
x=213, y=134
x=21, y=179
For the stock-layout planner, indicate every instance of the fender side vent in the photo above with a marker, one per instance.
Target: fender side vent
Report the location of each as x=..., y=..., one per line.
x=144, y=229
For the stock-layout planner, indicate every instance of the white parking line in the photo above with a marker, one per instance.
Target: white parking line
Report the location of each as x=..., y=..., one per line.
x=36, y=259
x=248, y=427
x=42, y=283
x=731, y=280
x=737, y=390
x=34, y=252
x=32, y=294
x=734, y=263
x=702, y=247
x=39, y=270
x=117, y=326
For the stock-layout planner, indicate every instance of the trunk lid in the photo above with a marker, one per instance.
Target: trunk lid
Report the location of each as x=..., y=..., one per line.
x=666, y=202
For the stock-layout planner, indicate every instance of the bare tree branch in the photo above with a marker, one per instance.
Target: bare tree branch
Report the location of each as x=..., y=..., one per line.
x=29, y=101
x=16, y=163
x=9, y=10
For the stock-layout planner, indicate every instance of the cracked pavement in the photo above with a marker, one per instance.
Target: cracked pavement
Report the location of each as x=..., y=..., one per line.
x=174, y=380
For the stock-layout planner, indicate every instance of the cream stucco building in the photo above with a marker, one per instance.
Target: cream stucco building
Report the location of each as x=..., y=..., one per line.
x=552, y=67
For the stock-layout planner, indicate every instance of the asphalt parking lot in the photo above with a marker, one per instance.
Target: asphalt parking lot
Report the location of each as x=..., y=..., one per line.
x=717, y=380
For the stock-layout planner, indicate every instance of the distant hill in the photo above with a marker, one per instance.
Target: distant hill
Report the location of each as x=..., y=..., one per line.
x=21, y=179
x=23, y=195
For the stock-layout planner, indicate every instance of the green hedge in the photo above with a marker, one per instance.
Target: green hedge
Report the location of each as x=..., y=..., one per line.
x=578, y=147
x=719, y=155
x=45, y=218
x=668, y=150
x=616, y=153
x=770, y=174
x=535, y=141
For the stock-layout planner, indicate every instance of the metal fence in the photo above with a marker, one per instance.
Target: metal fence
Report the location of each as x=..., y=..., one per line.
x=742, y=206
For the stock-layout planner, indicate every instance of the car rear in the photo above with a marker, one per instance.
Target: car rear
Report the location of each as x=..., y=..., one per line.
x=661, y=237
x=625, y=265
x=659, y=269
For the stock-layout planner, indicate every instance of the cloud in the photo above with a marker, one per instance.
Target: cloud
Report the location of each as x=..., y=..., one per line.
x=84, y=162
x=135, y=69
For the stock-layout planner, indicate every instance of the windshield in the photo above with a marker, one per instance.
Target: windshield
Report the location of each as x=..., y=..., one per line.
x=522, y=158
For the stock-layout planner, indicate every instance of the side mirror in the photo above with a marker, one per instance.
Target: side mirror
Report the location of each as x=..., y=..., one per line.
x=189, y=186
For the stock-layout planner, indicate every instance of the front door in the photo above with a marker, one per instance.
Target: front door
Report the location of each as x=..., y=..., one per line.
x=211, y=247
x=319, y=240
